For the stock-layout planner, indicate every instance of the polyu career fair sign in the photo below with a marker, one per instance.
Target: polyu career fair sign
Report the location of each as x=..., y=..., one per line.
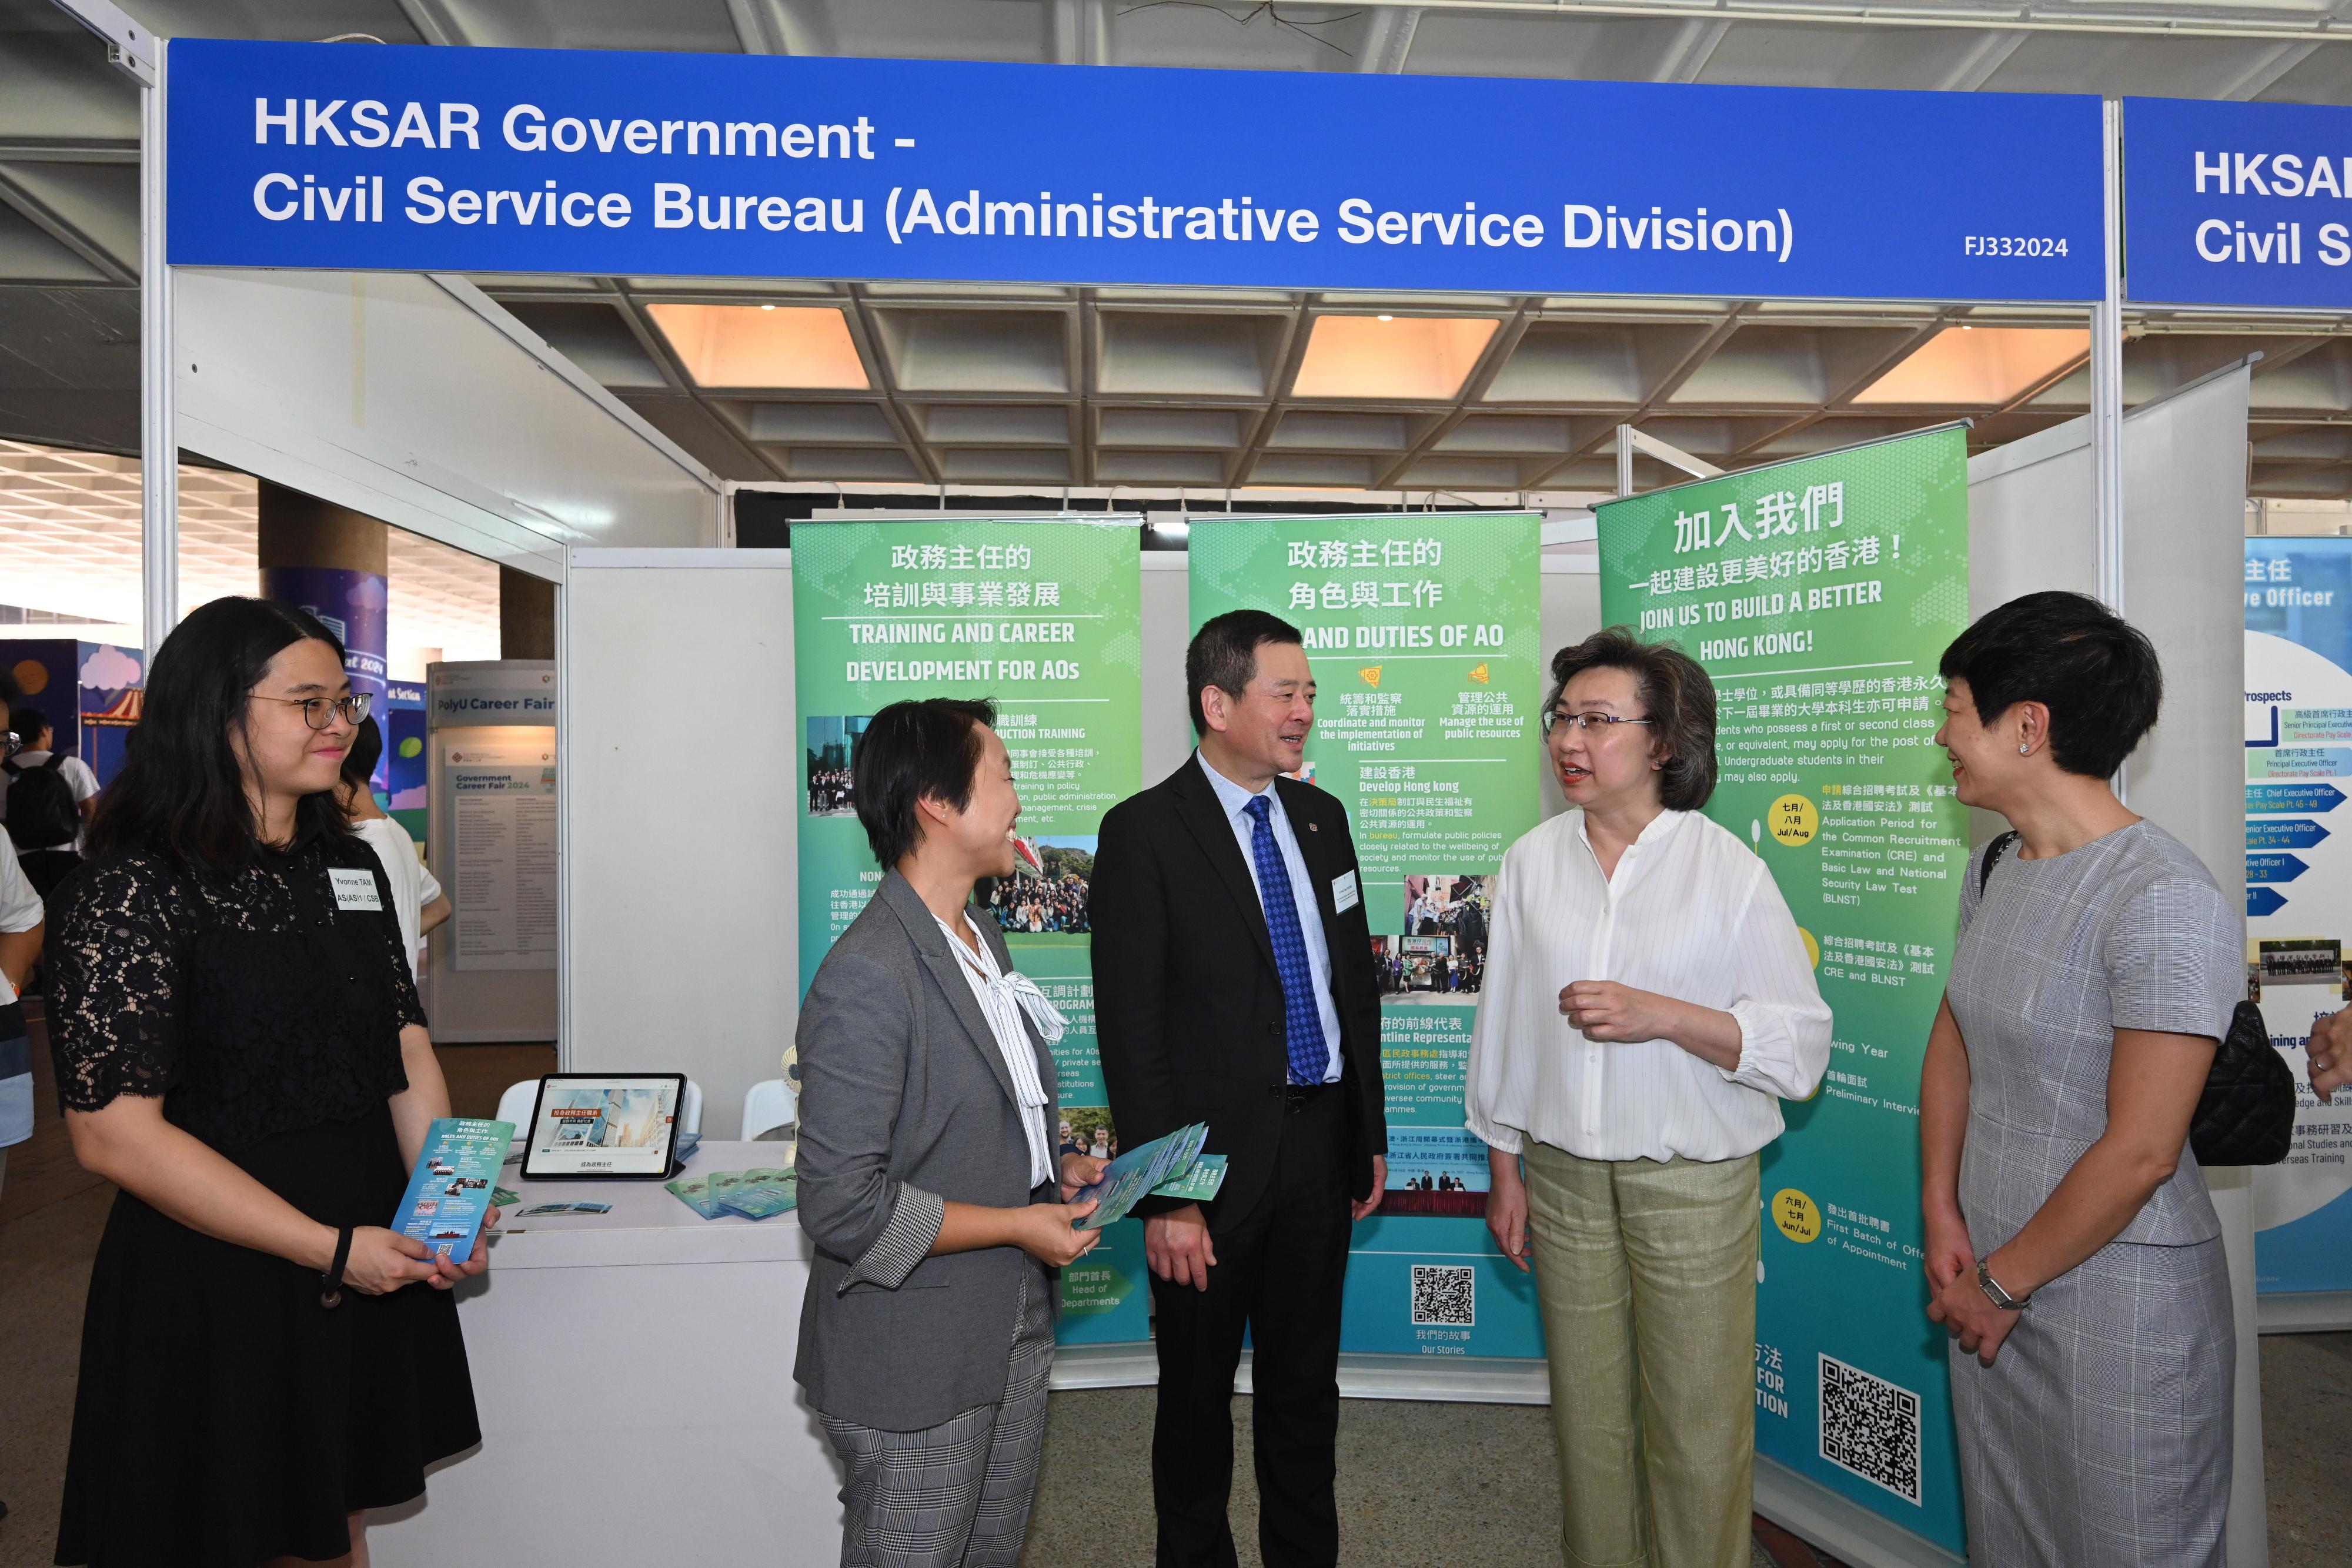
x=2238, y=203
x=577, y=162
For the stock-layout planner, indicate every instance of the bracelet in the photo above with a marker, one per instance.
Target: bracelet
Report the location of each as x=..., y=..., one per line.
x=330, y=1283
x=1995, y=1293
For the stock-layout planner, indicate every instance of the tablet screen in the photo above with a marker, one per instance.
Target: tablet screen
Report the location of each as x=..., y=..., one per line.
x=603, y=1125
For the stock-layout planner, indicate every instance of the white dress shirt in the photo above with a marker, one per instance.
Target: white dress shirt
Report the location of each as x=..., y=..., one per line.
x=1236, y=800
x=20, y=906
x=413, y=887
x=1692, y=914
x=1003, y=996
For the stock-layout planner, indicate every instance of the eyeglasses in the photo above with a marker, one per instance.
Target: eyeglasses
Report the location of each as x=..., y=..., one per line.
x=319, y=712
x=1585, y=723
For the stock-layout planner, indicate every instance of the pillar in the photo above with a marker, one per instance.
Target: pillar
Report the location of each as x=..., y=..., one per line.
x=526, y=616
x=330, y=561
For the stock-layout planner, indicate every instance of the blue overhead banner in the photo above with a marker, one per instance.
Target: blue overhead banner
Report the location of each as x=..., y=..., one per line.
x=2237, y=203
x=709, y=165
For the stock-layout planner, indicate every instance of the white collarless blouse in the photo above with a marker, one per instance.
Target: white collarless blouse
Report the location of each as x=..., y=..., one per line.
x=1692, y=914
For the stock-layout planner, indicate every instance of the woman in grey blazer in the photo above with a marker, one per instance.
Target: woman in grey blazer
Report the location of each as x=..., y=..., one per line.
x=2075, y=1257
x=930, y=1179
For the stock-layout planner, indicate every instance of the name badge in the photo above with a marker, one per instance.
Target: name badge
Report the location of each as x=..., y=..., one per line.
x=1344, y=896
x=354, y=889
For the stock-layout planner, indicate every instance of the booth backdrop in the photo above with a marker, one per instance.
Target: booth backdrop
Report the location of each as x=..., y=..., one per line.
x=1819, y=594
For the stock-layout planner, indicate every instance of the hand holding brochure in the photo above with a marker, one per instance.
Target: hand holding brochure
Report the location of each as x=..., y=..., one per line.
x=449, y=1195
x=1139, y=1173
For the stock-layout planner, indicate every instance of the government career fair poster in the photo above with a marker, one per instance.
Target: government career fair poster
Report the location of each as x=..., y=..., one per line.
x=1424, y=634
x=1819, y=594
x=2298, y=867
x=1042, y=617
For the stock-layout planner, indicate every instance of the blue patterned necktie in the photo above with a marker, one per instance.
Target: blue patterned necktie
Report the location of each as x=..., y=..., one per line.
x=1310, y=1056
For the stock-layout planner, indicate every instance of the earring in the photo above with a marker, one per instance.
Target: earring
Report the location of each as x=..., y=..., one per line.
x=2025, y=751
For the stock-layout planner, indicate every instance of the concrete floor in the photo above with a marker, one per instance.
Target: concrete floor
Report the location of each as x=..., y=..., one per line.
x=1419, y=1484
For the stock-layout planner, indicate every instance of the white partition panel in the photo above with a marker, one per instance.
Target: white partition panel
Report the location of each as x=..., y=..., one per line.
x=679, y=759
x=418, y=400
x=2029, y=528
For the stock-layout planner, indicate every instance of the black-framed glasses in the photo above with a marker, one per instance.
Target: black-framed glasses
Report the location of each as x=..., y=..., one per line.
x=1586, y=722
x=319, y=712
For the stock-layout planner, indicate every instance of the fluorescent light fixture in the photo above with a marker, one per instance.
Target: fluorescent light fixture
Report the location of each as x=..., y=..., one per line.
x=797, y=346
x=1424, y=358
x=1963, y=367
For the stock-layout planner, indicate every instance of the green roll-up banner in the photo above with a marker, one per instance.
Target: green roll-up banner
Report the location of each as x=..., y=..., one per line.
x=1042, y=617
x=1424, y=632
x=1820, y=593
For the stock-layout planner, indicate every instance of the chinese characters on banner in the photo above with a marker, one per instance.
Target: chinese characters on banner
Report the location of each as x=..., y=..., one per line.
x=2298, y=773
x=1043, y=618
x=1820, y=595
x=1423, y=631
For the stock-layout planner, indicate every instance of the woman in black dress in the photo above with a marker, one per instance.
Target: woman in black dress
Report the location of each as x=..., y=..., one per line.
x=240, y=1049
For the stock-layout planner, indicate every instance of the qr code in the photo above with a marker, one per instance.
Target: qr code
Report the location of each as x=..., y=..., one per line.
x=1444, y=1295
x=1870, y=1426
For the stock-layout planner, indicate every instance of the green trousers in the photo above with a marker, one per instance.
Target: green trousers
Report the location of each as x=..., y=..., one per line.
x=1648, y=1276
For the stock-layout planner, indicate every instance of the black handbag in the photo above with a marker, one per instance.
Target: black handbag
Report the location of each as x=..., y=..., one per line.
x=2246, y=1114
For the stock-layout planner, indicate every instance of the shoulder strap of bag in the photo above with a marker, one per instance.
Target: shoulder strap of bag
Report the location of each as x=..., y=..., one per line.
x=1993, y=852
x=56, y=764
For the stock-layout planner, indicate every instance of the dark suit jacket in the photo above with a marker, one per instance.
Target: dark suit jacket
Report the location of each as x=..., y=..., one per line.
x=1188, y=1003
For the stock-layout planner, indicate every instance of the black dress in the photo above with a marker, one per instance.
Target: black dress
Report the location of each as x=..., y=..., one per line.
x=225, y=1416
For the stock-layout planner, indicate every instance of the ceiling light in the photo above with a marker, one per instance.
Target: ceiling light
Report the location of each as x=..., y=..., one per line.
x=792, y=346
x=1976, y=371
x=1426, y=358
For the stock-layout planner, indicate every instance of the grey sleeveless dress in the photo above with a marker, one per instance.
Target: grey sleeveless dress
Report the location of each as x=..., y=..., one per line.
x=2100, y=1437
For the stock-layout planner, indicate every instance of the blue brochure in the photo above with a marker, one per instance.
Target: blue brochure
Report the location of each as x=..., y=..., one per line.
x=450, y=1193
x=1136, y=1173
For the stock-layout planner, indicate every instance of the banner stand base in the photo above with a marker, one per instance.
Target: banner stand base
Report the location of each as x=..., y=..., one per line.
x=2304, y=1311
x=1452, y=1380
x=1839, y=1525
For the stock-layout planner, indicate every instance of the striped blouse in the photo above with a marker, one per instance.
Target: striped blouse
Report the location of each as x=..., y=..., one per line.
x=1692, y=914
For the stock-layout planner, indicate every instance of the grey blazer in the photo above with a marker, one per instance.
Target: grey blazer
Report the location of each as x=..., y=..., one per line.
x=906, y=1103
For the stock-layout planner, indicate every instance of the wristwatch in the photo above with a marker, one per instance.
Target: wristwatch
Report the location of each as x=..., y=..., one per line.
x=1995, y=1294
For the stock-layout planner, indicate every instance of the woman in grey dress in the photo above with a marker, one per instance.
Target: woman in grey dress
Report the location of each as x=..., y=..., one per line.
x=2075, y=1258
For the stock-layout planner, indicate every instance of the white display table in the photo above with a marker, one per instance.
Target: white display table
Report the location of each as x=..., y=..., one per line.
x=633, y=1372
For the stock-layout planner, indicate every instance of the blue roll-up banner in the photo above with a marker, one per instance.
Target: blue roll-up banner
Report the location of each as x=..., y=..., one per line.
x=597, y=161
x=2238, y=203
x=2299, y=884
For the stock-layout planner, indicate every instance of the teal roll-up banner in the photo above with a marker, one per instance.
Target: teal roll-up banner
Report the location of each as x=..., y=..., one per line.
x=1819, y=594
x=1423, y=631
x=1044, y=618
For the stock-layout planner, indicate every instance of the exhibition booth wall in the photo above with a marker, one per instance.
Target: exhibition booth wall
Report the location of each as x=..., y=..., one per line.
x=682, y=928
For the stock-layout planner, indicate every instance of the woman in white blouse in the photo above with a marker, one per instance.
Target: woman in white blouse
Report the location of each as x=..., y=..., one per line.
x=1648, y=1004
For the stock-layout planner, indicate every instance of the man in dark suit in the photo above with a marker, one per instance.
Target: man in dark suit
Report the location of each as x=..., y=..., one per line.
x=1233, y=986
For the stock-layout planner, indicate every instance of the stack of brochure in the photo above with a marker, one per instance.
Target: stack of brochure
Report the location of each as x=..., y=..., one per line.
x=1172, y=1167
x=753, y=1193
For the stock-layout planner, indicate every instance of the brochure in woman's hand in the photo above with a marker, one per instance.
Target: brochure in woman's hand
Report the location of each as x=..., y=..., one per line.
x=1145, y=1171
x=449, y=1195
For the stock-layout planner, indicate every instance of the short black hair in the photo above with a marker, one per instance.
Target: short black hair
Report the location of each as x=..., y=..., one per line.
x=930, y=747
x=1223, y=655
x=1677, y=698
x=367, y=749
x=27, y=722
x=2096, y=672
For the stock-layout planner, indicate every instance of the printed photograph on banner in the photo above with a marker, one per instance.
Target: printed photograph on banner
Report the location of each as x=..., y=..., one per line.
x=832, y=742
x=1047, y=894
x=1088, y=1130
x=1418, y=970
x=1436, y=1170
